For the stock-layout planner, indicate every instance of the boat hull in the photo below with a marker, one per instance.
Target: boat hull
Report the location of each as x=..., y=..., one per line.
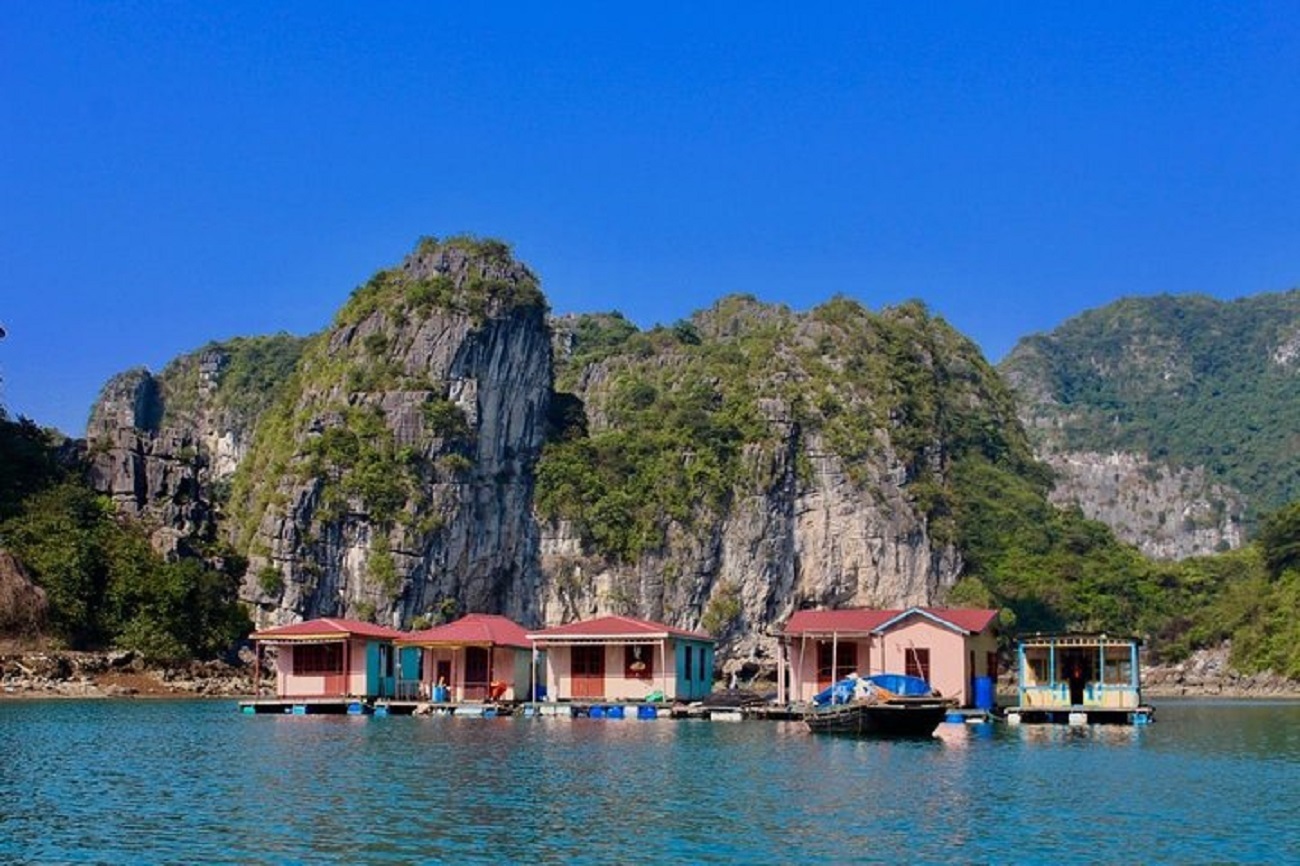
x=896, y=718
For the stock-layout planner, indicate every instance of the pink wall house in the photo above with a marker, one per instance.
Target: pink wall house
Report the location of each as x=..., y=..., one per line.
x=478, y=657
x=947, y=647
x=621, y=658
x=330, y=658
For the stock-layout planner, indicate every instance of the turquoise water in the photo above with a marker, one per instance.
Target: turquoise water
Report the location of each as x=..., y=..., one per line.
x=188, y=782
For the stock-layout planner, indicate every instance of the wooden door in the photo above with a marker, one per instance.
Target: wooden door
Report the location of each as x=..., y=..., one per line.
x=477, y=673
x=588, y=670
x=337, y=666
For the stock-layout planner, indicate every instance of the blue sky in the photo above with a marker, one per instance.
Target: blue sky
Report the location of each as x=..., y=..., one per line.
x=175, y=173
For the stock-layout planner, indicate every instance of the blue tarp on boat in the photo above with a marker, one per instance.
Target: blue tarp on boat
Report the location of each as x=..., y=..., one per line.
x=897, y=684
x=901, y=684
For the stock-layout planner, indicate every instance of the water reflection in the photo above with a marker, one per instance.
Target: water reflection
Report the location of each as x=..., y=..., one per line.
x=960, y=735
x=1066, y=735
x=189, y=782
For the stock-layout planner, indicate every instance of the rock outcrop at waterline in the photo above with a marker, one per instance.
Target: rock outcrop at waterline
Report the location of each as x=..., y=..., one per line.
x=443, y=448
x=65, y=674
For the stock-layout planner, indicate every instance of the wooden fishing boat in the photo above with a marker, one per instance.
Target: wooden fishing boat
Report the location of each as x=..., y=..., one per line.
x=885, y=705
x=895, y=717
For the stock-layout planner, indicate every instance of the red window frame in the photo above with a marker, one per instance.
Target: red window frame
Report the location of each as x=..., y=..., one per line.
x=639, y=661
x=316, y=659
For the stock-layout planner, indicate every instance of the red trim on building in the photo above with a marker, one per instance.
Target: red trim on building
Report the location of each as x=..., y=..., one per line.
x=867, y=620
x=617, y=626
x=328, y=626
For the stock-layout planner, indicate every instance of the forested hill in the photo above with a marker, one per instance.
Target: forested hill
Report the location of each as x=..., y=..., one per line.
x=1183, y=384
x=447, y=446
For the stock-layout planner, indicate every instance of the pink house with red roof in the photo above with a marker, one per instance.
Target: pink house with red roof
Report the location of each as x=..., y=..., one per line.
x=478, y=657
x=951, y=648
x=331, y=658
x=621, y=658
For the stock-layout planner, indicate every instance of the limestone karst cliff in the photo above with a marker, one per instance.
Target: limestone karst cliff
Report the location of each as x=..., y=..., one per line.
x=395, y=480
x=752, y=461
x=164, y=447
x=443, y=447
x=1169, y=418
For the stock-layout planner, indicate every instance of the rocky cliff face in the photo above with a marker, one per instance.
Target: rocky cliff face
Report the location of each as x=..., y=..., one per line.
x=428, y=455
x=766, y=461
x=152, y=472
x=164, y=447
x=1167, y=512
x=396, y=482
x=824, y=542
x=1168, y=418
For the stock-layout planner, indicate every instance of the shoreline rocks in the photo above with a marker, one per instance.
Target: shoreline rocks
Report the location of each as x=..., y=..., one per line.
x=67, y=674
x=1208, y=674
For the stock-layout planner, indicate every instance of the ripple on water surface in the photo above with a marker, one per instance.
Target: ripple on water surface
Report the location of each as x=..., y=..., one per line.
x=184, y=782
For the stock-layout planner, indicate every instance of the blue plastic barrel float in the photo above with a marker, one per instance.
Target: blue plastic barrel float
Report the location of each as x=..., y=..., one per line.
x=985, y=697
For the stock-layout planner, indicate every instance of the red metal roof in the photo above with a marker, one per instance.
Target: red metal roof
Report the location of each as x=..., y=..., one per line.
x=616, y=627
x=327, y=627
x=849, y=620
x=972, y=619
x=474, y=628
x=863, y=620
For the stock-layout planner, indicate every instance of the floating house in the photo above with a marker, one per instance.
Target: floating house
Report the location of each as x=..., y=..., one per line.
x=621, y=658
x=479, y=657
x=953, y=649
x=334, y=659
x=1079, y=679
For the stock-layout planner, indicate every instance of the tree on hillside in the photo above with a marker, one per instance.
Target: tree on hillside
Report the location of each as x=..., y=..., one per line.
x=28, y=462
x=106, y=586
x=1279, y=539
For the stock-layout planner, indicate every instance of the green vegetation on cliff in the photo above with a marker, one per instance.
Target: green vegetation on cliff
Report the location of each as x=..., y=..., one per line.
x=249, y=373
x=329, y=427
x=678, y=414
x=1185, y=379
x=105, y=586
x=683, y=419
x=462, y=274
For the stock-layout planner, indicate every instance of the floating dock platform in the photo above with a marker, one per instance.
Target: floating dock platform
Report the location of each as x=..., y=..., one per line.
x=1080, y=715
x=369, y=707
x=539, y=709
x=598, y=710
x=307, y=706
